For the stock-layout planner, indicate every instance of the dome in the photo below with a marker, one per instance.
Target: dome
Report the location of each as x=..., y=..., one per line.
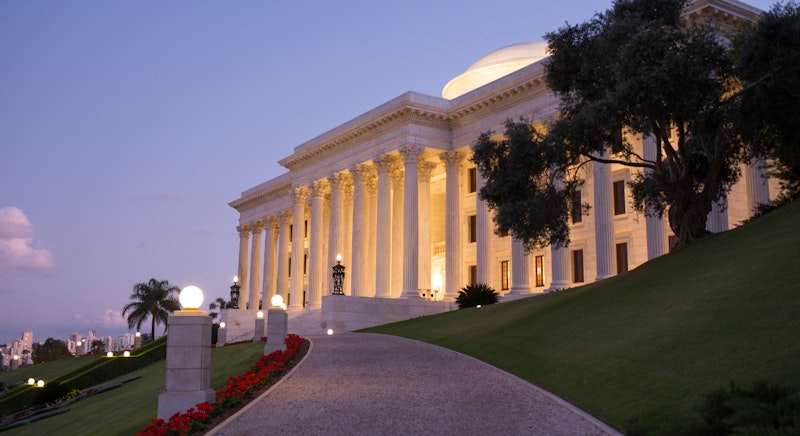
x=495, y=65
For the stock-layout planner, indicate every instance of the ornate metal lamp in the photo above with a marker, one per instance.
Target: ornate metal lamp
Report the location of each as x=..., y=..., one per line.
x=235, y=293
x=338, y=276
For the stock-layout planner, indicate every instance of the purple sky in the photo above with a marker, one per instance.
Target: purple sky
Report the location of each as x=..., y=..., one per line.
x=127, y=127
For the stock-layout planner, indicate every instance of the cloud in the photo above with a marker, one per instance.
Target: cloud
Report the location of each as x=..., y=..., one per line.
x=16, y=243
x=110, y=318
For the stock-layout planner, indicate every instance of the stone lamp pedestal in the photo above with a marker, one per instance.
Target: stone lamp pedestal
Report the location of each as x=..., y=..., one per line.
x=188, y=377
x=260, y=329
x=277, y=327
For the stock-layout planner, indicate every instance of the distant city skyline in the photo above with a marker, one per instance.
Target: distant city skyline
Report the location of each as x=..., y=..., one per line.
x=127, y=128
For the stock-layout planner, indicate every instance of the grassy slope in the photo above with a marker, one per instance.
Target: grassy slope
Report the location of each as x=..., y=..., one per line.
x=639, y=350
x=126, y=410
x=45, y=371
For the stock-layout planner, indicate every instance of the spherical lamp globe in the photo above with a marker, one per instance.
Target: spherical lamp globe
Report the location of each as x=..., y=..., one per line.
x=276, y=300
x=191, y=297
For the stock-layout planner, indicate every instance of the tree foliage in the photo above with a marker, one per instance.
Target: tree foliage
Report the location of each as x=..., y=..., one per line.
x=50, y=350
x=637, y=70
x=475, y=295
x=219, y=303
x=768, y=63
x=155, y=300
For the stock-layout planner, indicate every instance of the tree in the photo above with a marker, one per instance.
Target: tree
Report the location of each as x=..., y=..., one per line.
x=635, y=70
x=98, y=348
x=219, y=303
x=768, y=63
x=155, y=300
x=50, y=350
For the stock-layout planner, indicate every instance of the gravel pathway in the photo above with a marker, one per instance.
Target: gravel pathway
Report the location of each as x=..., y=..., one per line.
x=371, y=384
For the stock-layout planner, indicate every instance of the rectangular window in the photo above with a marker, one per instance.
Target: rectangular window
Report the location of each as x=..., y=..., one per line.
x=539, y=270
x=291, y=233
x=305, y=229
x=473, y=229
x=472, y=178
x=473, y=274
x=305, y=264
x=290, y=267
x=577, y=266
x=577, y=213
x=504, y=275
x=622, y=257
x=619, y=197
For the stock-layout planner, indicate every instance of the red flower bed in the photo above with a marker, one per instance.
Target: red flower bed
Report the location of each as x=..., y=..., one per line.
x=238, y=388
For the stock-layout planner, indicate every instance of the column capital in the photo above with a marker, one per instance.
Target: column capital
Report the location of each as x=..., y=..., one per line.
x=271, y=222
x=411, y=152
x=244, y=230
x=425, y=169
x=319, y=188
x=362, y=172
x=299, y=194
x=385, y=163
x=452, y=160
x=340, y=180
x=285, y=216
x=397, y=178
x=257, y=226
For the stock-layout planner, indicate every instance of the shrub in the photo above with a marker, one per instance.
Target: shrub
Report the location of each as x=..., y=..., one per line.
x=766, y=409
x=474, y=295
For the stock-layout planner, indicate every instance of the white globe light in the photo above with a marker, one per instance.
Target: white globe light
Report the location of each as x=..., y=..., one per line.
x=259, y=314
x=40, y=383
x=31, y=381
x=138, y=334
x=283, y=306
x=276, y=300
x=109, y=354
x=330, y=332
x=191, y=297
x=126, y=354
x=222, y=325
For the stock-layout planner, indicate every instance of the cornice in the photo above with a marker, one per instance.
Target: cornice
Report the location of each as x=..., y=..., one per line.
x=253, y=197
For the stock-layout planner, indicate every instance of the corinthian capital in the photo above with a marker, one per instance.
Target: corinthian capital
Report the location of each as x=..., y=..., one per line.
x=410, y=153
x=425, y=169
x=452, y=160
x=319, y=188
x=244, y=230
x=385, y=163
x=300, y=194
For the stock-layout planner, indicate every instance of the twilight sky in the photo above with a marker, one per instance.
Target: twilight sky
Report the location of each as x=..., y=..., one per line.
x=127, y=127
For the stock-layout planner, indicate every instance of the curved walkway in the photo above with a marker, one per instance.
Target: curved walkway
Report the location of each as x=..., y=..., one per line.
x=371, y=384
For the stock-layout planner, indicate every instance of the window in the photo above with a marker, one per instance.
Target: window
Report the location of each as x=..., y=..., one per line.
x=577, y=213
x=672, y=240
x=473, y=274
x=472, y=180
x=305, y=229
x=291, y=233
x=290, y=267
x=305, y=264
x=619, y=197
x=539, y=270
x=622, y=257
x=473, y=229
x=577, y=266
x=504, y=275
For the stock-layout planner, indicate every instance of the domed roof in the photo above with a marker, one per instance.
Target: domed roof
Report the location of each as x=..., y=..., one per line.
x=495, y=65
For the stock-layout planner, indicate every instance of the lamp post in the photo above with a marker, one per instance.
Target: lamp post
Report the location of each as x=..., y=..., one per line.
x=338, y=276
x=235, y=293
x=277, y=326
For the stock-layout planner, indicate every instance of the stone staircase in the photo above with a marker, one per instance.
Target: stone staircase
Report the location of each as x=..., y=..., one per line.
x=306, y=322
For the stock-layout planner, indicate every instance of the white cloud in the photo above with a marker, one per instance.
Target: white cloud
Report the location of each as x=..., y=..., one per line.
x=113, y=318
x=16, y=243
x=110, y=318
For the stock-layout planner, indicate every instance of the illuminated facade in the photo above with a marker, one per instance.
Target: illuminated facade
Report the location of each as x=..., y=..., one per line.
x=394, y=192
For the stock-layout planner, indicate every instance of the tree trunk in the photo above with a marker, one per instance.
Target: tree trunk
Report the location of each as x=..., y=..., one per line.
x=687, y=217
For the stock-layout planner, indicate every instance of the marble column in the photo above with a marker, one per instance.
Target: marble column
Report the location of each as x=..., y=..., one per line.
x=654, y=224
x=483, y=238
x=603, y=218
x=372, y=239
x=397, y=233
x=315, y=260
x=424, y=198
x=347, y=254
x=755, y=175
x=717, y=219
x=520, y=268
x=560, y=257
x=358, y=272
x=336, y=234
x=299, y=196
x=254, y=293
x=270, y=257
x=383, y=251
x=452, y=255
x=411, y=155
x=282, y=279
x=244, y=235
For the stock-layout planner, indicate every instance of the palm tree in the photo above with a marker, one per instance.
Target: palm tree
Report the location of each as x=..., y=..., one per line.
x=154, y=299
x=219, y=303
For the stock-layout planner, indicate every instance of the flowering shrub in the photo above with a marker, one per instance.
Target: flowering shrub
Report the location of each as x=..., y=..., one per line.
x=233, y=394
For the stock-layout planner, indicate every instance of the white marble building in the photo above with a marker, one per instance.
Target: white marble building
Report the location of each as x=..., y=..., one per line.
x=394, y=192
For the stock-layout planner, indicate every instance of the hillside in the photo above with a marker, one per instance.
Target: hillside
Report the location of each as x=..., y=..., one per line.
x=641, y=349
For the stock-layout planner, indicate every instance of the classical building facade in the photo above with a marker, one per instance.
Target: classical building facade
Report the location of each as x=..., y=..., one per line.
x=394, y=192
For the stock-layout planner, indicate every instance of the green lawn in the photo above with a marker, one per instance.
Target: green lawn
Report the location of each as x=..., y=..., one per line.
x=639, y=350
x=126, y=410
x=45, y=371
